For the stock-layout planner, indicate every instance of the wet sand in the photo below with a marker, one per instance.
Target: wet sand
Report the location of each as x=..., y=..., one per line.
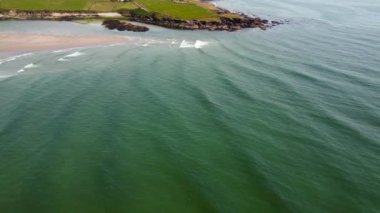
x=12, y=43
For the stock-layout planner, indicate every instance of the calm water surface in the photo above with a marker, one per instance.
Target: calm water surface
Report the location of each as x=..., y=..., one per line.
x=284, y=120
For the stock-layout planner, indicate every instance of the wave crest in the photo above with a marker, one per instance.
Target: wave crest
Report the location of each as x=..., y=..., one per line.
x=197, y=44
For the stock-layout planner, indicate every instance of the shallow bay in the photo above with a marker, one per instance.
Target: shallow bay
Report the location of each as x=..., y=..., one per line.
x=283, y=120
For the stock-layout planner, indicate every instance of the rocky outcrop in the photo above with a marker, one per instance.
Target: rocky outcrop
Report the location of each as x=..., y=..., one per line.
x=120, y=26
x=224, y=24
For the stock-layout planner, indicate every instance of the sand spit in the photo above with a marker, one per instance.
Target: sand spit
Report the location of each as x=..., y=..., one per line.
x=11, y=43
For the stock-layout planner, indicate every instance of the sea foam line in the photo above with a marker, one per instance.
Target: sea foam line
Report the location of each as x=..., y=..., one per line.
x=29, y=66
x=5, y=76
x=151, y=41
x=197, y=44
x=63, y=50
x=75, y=54
x=2, y=61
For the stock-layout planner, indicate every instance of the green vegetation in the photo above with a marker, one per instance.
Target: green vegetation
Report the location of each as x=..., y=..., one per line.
x=107, y=6
x=179, y=9
x=184, y=11
x=45, y=4
x=66, y=5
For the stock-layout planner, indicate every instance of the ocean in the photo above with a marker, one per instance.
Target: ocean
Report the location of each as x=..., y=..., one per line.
x=282, y=120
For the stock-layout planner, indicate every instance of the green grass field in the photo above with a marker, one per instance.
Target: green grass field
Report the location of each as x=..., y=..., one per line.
x=45, y=4
x=65, y=5
x=167, y=8
x=178, y=10
x=107, y=6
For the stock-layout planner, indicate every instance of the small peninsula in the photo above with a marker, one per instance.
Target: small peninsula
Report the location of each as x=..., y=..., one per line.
x=115, y=14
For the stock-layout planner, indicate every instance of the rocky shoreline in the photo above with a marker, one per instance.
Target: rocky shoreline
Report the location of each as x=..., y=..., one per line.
x=121, y=26
x=224, y=23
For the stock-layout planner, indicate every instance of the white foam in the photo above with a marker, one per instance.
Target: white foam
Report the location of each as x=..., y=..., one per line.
x=29, y=66
x=173, y=41
x=185, y=44
x=8, y=59
x=62, y=50
x=76, y=54
x=197, y=44
x=5, y=76
x=62, y=59
x=2, y=61
x=151, y=42
x=72, y=55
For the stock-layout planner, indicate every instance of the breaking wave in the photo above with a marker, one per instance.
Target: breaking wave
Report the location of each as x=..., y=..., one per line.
x=197, y=44
x=72, y=55
x=29, y=66
x=5, y=76
x=2, y=61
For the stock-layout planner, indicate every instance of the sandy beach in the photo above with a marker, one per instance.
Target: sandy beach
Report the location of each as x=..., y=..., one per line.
x=12, y=43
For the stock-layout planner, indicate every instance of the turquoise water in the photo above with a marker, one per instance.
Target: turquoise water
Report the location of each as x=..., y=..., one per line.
x=284, y=120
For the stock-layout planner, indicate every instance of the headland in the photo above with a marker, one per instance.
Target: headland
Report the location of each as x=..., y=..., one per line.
x=174, y=14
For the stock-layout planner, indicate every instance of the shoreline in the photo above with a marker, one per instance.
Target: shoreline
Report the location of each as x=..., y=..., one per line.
x=225, y=23
x=16, y=43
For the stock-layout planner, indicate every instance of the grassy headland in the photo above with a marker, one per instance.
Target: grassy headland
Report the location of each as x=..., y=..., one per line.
x=185, y=11
x=66, y=5
x=179, y=14
x=176, y=9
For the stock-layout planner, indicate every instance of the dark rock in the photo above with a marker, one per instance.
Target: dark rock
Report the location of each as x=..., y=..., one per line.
x=66, y=18
x=120, y=26
x=112, y=24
